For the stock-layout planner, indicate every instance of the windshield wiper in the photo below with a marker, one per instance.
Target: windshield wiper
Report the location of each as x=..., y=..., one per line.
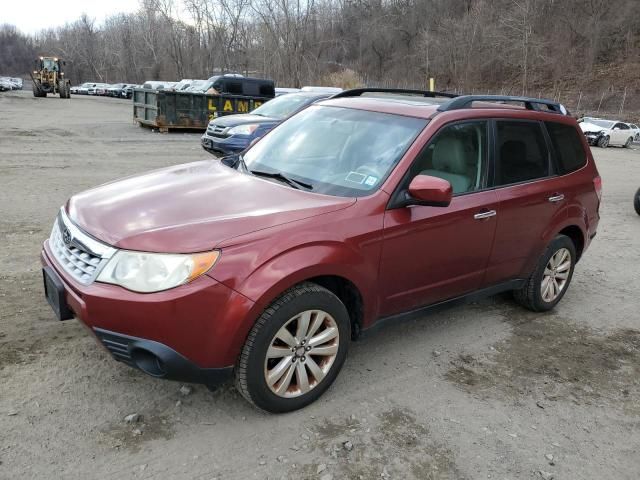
x=235, y=161
x=283, y=178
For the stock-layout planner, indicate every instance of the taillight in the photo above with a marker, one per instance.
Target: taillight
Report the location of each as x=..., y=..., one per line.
x=597, y=184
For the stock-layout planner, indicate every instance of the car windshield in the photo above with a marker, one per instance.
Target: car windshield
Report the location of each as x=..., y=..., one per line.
x=336, y=151
x=601, y=123
x=284, y=106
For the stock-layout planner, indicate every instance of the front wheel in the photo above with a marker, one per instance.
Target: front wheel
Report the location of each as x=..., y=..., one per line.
x=636, y=202
x=550, y=280
x=295, y=350
x=603, y=142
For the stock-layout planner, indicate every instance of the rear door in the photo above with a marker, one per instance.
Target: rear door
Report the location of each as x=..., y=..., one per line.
x=530, y=193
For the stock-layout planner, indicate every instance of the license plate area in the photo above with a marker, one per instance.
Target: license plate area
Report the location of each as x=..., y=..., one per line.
x=54, y=292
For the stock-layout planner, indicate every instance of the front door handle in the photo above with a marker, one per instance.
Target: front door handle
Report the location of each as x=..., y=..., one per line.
x=485, y=214
x=556, y=197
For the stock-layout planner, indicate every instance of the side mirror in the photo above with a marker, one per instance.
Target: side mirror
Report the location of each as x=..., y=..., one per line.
x=430, y=191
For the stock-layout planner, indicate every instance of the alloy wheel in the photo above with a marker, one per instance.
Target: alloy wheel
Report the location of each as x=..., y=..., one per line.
x=301, y=353
x=556, y=274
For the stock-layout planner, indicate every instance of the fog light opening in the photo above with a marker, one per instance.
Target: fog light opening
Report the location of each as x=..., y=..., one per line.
x=148, y=362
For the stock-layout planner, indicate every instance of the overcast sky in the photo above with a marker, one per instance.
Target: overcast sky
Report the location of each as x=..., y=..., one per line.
x=31, y=16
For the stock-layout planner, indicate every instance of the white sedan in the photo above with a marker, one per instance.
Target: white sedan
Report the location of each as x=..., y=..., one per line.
x=607, y=132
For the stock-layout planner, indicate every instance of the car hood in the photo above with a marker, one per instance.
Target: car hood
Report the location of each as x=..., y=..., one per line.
x=591, y=127
x=191, y=208
x=241, y=119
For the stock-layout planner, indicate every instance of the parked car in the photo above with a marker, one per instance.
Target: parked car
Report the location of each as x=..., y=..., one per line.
x=234, y=133
x=197, y=86
x=284, y=91
x=352, y=212
x=635, y=130
x=234, y=84
x=18, y=82
x=182, y=85
x=127, y=92
x=116, y=89
x=97, y=88
x=636, y=202
x=6, y=85
x=83, y=89
x=158, y=85
x=604, y=133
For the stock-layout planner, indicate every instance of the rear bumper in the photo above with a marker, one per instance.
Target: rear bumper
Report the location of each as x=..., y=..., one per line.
x=159, y=360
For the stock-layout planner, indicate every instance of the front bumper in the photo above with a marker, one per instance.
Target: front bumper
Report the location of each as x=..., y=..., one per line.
x=159, y=360
x=223, y=146
x=593, y=138
x=191, y=333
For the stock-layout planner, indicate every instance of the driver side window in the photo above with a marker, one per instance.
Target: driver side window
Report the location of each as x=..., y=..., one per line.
x=458, y=154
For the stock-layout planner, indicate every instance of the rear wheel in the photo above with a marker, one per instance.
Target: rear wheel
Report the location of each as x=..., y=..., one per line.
x=295, y=350
x=636, y=202
x=628, y=142
x=603, y=142
x=550, y=280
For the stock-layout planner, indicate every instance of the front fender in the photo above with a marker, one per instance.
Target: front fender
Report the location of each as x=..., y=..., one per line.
x=298, y=264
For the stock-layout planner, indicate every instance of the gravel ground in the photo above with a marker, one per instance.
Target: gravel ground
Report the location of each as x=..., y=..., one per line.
x=486, y=390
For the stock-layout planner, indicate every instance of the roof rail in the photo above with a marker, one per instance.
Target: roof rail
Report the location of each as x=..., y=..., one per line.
x=465, y=101
x=357, y=92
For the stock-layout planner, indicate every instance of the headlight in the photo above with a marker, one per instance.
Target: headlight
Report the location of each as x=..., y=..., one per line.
x=153, y=272
x=247, y=129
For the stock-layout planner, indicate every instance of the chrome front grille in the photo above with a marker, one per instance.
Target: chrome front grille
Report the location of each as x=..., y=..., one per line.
x=217, y=131
x=77, y=253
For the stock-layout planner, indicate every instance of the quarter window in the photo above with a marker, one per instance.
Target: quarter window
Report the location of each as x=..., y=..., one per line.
x=458, y=154
x=521, y=152
x=569, y=152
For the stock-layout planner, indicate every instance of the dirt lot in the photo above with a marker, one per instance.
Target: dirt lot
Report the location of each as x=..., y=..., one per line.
x=487, y=390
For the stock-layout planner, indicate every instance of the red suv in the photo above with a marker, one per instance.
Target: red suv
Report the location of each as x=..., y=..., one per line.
x=367, y=207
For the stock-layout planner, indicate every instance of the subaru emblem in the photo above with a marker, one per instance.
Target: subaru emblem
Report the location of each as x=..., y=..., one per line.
x=66, y=236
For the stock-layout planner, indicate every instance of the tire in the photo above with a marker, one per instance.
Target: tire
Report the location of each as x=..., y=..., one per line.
x=37, y=92
x=305, y=304
x=603, y=142
x=532, y=294
x=636, y=202
x=628, y=143
x=63, y=89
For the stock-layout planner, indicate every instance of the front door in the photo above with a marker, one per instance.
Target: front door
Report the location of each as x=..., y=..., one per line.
x=432, y=254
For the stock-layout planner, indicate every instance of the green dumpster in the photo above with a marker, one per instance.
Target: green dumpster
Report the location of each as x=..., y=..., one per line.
x=167, y=110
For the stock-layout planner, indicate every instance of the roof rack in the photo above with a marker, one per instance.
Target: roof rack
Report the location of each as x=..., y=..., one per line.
x=465, y=101
x=357, y=92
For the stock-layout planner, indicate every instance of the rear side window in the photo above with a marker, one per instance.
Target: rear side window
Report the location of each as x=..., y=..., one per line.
x=522, y=153
x=570, y=154
x=234, y=88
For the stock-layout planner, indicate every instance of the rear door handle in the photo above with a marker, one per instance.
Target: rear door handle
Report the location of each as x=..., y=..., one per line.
x=557, y=197
x=485, y=214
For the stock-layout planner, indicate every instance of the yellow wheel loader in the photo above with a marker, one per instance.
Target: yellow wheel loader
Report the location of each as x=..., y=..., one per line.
x=48, y=77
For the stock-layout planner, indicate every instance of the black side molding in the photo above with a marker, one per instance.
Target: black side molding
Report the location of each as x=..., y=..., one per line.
x=461, y=300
